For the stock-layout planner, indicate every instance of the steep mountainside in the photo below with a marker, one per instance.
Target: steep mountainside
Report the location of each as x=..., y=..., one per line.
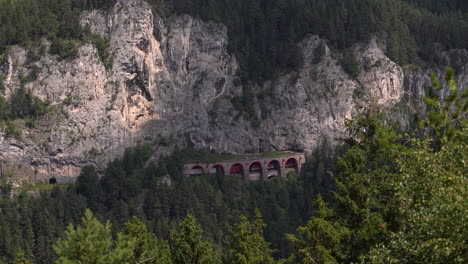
x=174, y=79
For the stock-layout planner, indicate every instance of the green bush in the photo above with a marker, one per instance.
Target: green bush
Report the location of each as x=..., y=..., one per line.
x=22, y=104
x=163, y=141
x=67, y=101
x=2, y=79
x=350, y=64
x=4, y=110
x=359, y=92
x=65, y=49
x=31, y=122
x=12, y=131
x=244, y=104
x=34, y=55
x=5, y=187
x=102, y=44
x=319, y=52
x=93, y=152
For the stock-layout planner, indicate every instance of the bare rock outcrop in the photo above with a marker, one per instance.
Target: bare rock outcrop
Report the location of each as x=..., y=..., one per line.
x=174, y=78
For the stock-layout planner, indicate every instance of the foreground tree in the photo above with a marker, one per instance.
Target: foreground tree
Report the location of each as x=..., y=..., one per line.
x=188, y=246
x=319, y=239
x=401, y=203
x=137, y=245
x=90, y=242
x=247, y=243
x=432, y=187
x=21, y=259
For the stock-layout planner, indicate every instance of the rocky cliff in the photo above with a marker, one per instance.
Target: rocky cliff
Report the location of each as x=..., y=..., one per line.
x=174, y=78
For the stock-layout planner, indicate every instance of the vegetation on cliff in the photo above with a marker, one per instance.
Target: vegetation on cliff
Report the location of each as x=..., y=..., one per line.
x=263, y=33
x=22, y=105
x=387, y=198
x=395, y=198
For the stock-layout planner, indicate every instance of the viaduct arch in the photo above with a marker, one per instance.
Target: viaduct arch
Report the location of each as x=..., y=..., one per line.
x=251, y=168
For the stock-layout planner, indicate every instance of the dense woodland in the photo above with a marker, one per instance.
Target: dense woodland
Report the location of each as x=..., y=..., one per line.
x=263, y=33
x=382, y=197
x=389, y=197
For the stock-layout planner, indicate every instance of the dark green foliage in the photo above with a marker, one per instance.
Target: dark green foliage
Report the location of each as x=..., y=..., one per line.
x=395, y=199
x=102, y=45
x=87, y=185
x=94, y=4
x=350, y=64
x=65, y=49
x=5, y=186
x=2, y=85
x=319, y=53
x=244, y=104
x=441, y=6
x=4, y=109
x=140, y=245
x=263, y=33
x=21, y=259
x=394, y=202
x=248, y=246
x=23, y=104
x=26, y=21
x=188, y=246
x=163, y=141
x=12, y=131
x=319, y=239
x=90, y=242
x=34, y=224
x=445, y=118
x=129, y=189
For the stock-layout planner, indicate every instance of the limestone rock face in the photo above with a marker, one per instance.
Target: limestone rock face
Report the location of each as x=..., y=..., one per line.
x=174, y=79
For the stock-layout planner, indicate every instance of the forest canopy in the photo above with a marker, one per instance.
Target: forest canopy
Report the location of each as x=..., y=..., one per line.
x=389, y=197
x=263, y=33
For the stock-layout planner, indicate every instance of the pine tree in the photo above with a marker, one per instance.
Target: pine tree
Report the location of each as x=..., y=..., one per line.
x=88, y=186
x=445, y=115
x=319, y=240
x=248, y=245
x=136, y=245
x=21, y=259
x=432, y=187
x=188, y=246
x=90, y=242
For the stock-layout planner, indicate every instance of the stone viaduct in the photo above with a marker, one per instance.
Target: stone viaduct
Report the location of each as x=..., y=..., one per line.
x=251, y=168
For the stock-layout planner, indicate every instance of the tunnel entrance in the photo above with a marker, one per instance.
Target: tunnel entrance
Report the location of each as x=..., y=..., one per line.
x=274, y=169
x=52, y=181
x=255, y=171
x=291, y=166
x=197, y=171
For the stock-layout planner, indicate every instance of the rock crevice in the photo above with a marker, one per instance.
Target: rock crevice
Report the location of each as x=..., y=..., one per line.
x=182, y=83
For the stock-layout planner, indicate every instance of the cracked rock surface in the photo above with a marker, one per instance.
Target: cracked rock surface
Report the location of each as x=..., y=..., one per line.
x=174, y=79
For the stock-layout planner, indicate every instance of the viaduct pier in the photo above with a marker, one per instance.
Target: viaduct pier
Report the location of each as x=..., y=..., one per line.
x=251, y=167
